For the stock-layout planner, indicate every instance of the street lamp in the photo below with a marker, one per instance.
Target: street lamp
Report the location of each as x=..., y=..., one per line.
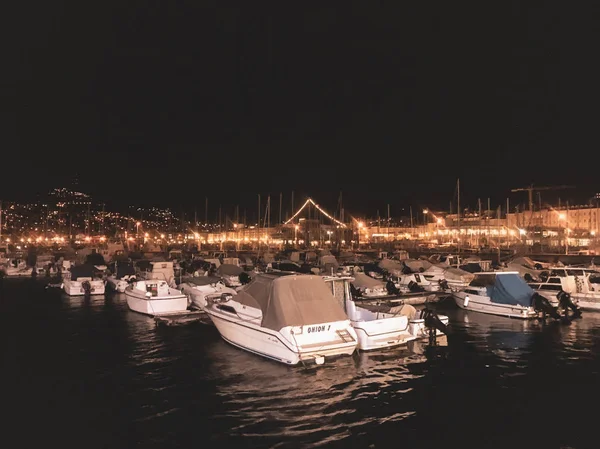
x=425, y=212
x=137, y=229
x=296, y=235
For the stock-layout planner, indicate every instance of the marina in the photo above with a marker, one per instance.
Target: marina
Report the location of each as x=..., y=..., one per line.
x=261, y=226
x=101, y=367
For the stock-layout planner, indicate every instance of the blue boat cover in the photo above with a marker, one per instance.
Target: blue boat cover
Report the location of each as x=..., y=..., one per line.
x=511, y=289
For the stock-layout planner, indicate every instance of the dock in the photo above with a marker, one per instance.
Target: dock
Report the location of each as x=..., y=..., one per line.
x=178, y=319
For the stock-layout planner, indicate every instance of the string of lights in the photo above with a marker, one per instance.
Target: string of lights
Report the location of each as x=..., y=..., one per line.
x=310, y=201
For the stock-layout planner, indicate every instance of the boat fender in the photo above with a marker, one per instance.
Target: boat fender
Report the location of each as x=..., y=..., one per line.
x=466, y=301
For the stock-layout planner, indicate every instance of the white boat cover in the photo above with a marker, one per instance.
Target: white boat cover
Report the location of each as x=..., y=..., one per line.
x=391, y=265
x=524, y=261
x=524, y=265
x=417, y=265
x=362, y=281
x=450, y=273
x=329, y=260
x=291, y=300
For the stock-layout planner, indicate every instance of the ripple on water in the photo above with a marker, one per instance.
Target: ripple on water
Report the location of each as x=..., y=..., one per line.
x=314, y=405
x=123, y=382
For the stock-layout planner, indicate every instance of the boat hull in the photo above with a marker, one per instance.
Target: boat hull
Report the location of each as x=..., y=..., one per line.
x=156, y=305
x=117, y=285
x=247, y=334
x=484, y=305
x=17, y=272
x=392, y=332
x=384, y=333
x=199, y=295
x=76, y=288
x=418, y=328
x=587, y=301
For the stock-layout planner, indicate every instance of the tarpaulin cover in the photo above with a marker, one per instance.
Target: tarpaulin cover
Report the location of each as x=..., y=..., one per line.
x=291, y=300
x=511, y=288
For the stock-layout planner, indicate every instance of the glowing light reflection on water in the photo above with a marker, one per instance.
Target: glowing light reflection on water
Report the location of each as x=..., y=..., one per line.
x=89, y=371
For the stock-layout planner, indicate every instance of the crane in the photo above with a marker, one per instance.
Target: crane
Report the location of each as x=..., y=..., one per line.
x=531, y=188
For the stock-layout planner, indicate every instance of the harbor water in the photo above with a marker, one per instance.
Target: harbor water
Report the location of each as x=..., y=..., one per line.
x=89, y=373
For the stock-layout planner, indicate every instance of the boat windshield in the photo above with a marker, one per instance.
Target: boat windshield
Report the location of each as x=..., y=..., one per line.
x=483, y=280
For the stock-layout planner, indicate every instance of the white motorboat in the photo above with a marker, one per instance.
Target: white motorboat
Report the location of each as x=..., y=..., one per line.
x=498, y=293
x=582, y=285
x=122, y=273
x=287, y=317
x=453, y=278
x=82, y=280
x=200, y=289
x=382, y=324
x=154, y=297
x=163, y=270
x=16, y=267
x=413, y=282
x=46, y=266
x=365, y=287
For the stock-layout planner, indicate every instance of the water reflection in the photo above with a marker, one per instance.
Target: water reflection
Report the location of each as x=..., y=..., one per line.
x=121, y=381
x=315, y=404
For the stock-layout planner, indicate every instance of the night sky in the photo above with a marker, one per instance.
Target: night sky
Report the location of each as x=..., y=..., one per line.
x=388, y=102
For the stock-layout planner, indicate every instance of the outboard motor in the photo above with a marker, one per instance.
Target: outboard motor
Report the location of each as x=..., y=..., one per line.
x=541, y=304
x=87, y=287
x=433, y=323
x=391, y=288
x=244, y=278
x=564, y=300
x=443, y=283
x=354, y=291
x=414, y=287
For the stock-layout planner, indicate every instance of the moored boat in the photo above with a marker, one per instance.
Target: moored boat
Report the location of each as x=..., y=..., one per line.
x=383, y=323
x=498, y=293
x=287, y=317
x=154, y=297
x=84, y=279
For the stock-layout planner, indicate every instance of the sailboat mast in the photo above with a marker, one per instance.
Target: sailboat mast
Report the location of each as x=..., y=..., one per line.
x=458, y=210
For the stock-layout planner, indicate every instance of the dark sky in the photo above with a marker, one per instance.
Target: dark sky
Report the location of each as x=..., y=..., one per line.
x=389, y=102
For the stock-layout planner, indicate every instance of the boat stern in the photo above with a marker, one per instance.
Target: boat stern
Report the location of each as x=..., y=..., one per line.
x=317, y=342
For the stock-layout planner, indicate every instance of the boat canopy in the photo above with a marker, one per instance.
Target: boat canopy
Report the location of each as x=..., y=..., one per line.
x=391, y=265
x=291, y=300
x=82, y=271
x=362, y=280
x=123, y=268
x=449, y=273
x=417, y=265
x=229, y=269
x=505, y=288
x=328, y=262
x=524, y=265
